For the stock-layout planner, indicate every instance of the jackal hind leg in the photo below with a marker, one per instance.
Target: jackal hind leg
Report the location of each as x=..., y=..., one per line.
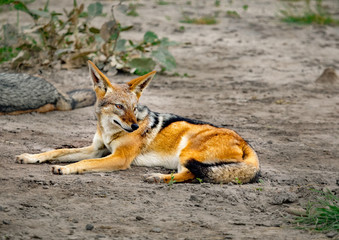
x=183, y=176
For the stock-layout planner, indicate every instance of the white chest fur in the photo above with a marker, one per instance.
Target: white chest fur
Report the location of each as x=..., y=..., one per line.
x=109, y=130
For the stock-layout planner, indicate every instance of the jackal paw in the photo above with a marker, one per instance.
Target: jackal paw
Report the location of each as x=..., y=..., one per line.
x=60, y=170
x=26, y=158
x=154, y=178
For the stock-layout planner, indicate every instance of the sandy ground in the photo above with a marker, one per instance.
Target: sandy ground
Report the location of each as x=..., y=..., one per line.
x=255, y=75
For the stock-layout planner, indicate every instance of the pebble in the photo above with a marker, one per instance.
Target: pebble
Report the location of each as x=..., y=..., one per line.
x=331, y=234
x=89, y=227
x=139, y=218
x=36, y=237
x=156, y=230
x=6, y=222
x=4, y=209
x=194, y=198
x=284, y=197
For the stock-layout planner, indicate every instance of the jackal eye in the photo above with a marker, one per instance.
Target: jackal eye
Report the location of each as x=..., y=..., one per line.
x=119, y=106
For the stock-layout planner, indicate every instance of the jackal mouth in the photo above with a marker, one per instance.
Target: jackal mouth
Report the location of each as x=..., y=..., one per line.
x=127, y=130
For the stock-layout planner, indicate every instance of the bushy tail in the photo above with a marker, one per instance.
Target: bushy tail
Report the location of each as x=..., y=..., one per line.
x=225, y=172
x=75, y=99
x=82, y=98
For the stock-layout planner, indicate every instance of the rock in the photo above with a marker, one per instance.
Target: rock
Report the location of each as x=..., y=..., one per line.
x=239, y=223
x=89, y=227
x=284, y=197
x=36, y=237
x=296, y=211
x=156, y=230
x=194, y=198
x=332, y=234
x=138, y=218
x=329, y=76
x=6, y=222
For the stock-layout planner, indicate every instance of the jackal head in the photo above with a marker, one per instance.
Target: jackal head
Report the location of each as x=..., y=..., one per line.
x=117, y=103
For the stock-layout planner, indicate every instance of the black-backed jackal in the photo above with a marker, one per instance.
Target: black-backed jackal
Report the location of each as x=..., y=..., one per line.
x=131, y=134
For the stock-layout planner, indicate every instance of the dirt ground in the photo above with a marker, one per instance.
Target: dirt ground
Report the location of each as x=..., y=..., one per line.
x=255, y=75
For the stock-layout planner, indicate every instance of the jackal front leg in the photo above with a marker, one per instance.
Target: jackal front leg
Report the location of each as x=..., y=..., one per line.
x=105, y=164
x=62, y=155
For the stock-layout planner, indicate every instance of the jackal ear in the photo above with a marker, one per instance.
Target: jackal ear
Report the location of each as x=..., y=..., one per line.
x=137, y=85
x=101, y=82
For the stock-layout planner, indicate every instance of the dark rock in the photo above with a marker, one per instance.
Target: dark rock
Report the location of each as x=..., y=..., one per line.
x=89, y=227
x=6, y=222
x=194, y=198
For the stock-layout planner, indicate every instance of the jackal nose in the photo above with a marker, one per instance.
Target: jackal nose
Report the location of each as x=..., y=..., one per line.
x=134, y=126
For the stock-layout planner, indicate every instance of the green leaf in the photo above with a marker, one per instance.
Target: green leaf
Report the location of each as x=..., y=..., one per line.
x=46, y=6
x=165, y=42
x=131, y=43
x=94, y=9
x=22, y=7
x=40, y=13
x=120, y=47
x=165, y=58
x=94, y=30
x=83, y=15
x=150, y=37
x=142, y=65
x=109, y=30
x=3, y=2
x=122, y=29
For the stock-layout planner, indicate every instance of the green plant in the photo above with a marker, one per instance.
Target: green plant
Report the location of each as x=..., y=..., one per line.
x=199, y=180
x=162, y=2
x=217, y=3
x=7, y=53
x=260, y=188
x=311, y=12
x=132, y=10
x=322, y=214
x=172, y=181
x=69, y=38
x=237, y=181
x=232, y=14
x=205, y=20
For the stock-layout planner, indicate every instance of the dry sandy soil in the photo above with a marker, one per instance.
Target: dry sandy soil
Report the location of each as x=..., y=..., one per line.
x=255, y=75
